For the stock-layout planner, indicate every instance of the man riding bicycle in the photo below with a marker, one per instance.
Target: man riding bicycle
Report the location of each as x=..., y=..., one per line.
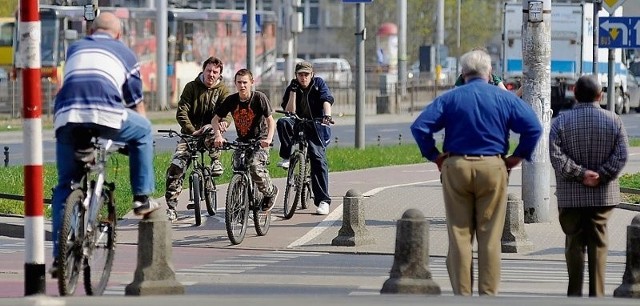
x=195, y=110
x=251, y=111
x=309, y=97
x=102, y=91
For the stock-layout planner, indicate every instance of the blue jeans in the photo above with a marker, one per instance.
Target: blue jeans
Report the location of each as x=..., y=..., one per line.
x=318, y=137
x=135, y=132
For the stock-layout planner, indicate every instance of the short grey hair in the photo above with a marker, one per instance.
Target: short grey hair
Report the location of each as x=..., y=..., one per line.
x=476, y=63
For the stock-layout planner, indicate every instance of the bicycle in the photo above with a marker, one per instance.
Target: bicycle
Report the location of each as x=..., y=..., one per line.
x=88, y=232
x=201, y=180
x=243, y=196
x=298, y=187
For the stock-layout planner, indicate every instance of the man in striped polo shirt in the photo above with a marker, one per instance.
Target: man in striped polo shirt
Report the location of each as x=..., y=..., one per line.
x=102, y=91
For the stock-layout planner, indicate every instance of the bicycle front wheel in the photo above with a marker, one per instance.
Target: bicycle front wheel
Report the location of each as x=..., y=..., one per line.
x=295, y=179
x=102, y=247
x=196, y=187
x=210, y=194
x=306, y=195
x=237, y=209
x=261, y=219
x=71, y=236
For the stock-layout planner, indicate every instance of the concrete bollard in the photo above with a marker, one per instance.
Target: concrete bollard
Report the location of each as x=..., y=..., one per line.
x=410, y=272
x=154, y=273
x=514, y=237
x=353, y=231
x=630, y=286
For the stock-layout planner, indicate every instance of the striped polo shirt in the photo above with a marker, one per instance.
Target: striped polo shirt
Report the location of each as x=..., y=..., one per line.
x=101, y=79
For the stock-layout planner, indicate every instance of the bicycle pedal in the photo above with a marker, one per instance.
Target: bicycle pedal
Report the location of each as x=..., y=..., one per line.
x=191, y=206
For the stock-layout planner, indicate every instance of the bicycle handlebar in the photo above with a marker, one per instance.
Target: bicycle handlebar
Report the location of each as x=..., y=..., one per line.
x=189, y=139
x=295, y=116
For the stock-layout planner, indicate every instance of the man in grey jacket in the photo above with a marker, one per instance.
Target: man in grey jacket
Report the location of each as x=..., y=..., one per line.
x=588, y=149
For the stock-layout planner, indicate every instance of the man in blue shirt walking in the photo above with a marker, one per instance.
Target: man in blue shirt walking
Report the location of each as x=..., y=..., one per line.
x=477, y=118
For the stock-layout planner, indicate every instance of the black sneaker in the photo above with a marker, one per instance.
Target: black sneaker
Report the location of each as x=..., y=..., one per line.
x=269, y=201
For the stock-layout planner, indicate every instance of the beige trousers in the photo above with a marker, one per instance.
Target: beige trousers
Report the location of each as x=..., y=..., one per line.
x=475, y=197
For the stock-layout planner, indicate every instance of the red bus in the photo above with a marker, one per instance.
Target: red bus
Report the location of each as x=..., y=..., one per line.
x=193, y=36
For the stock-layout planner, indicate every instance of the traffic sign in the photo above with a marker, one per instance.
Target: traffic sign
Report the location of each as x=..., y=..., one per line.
x=257, y=22
x=357, y=1
x=611, y=5
x=619, y=32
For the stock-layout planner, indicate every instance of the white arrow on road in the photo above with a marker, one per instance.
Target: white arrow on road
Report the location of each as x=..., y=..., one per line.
x=616, y=25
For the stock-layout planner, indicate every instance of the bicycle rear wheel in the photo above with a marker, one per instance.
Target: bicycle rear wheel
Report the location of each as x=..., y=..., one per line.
x=237, y=209
x=210, y=194
x=261, y=219
x=292, y=192
x=196, y=187
x=70, y=256
x=102, y=244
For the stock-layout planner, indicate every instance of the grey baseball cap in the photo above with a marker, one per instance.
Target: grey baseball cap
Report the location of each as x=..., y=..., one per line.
x=304, y=67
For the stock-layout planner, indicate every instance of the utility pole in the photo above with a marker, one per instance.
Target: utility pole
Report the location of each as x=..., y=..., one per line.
x=458, y=8
x=402, y=46
x=251, y=35
x=293, y=24
x=597, y=5
x=439, y=41
x=161, y=55
x=361, y=36
x=536, y=49
x=29, y=28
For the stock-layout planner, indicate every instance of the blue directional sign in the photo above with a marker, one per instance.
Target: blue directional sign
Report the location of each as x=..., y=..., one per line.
x=619, y=32
x=245, y=18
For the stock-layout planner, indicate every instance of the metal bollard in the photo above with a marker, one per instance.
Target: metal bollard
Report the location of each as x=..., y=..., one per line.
x=6, y=156
x=400, y=139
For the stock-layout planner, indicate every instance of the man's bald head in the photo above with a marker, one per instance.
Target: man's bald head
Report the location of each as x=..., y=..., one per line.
x=108, y=23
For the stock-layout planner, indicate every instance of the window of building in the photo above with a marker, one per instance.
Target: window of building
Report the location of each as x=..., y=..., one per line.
x=310, y=10
x=239, y=4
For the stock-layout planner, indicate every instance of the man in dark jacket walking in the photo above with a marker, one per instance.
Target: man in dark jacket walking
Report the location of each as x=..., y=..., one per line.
x=309, y=97
x=196, y=108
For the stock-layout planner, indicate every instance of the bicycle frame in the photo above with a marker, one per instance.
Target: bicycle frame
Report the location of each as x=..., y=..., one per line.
x=90, y=203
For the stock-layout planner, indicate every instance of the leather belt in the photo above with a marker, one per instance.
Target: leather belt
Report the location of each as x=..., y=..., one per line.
x=475, y=155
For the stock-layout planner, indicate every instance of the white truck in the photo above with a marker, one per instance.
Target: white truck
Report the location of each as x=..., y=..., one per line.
x=571, y=53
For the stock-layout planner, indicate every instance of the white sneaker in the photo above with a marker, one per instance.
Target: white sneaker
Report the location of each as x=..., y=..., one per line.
x=144, y=208
x=284, y=163
x=323, y=208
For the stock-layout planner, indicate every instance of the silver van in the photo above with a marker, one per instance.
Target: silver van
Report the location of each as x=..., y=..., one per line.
x=334, y=71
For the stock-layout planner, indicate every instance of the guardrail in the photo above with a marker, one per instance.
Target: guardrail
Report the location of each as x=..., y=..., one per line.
x=18, y=197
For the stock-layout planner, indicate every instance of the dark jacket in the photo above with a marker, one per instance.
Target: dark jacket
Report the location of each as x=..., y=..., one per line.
x=197, y=103
x=317, y=93
x=309, y=105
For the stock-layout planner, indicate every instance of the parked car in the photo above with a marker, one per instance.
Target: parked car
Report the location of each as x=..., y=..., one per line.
x=335, y=71
x=278, y=73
